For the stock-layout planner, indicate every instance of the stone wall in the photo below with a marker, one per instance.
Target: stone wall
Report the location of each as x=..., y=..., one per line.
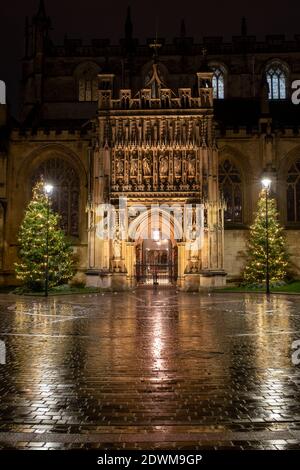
x=234, y=252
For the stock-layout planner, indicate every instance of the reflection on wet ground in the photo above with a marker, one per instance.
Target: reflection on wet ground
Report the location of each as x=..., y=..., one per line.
x=150, y=369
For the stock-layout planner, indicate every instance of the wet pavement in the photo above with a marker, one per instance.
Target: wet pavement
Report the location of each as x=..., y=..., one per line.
x=150, y=369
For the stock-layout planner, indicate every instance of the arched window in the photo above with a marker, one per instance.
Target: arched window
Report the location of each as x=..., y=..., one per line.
x=2, y=92
x=86, y=76
x=218, y=83
x=231, y=187
x=87, y=88
x=276, y=77
x=293, y=193
x=65, y=197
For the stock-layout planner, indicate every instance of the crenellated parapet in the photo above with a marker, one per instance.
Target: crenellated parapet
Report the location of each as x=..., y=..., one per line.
x=156, y=96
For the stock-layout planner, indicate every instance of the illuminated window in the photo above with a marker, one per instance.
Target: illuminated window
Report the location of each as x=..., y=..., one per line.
x=65, y=197
x=276, y=78
x=293, y=193
x=231, y=187
x=218, y=83
x=2, y=92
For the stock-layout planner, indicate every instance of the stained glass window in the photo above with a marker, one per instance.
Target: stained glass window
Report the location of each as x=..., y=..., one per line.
x=65, y=197
x=276, y=78
x=218, y=83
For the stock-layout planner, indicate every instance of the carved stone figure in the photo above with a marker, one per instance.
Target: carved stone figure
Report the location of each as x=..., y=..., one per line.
x=191, y=166
x=117, y=245
x=117, y=249
x=133, y=168
x=177, y=165
x=146, y=166
x=163, y=166
x=119, y=167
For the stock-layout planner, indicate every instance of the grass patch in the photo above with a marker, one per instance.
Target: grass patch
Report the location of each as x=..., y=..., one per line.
x=62, y=291
x=292, y=287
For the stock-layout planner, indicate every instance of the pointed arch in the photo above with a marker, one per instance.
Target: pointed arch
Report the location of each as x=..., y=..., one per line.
x=60, y=166
x=289, y=180
x=219, y=80
x=2, y=92
x=232, y=182
x=86, y=77
x=155, y=219
x=277, y=73
x=65, y=197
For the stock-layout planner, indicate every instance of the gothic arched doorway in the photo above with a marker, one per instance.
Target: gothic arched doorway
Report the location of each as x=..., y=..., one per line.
x=156, y=251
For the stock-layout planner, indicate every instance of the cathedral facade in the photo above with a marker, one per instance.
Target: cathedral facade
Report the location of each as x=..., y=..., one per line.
x=156, y=152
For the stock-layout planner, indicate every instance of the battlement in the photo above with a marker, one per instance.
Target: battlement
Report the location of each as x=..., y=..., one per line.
x=213, y=45
x=155, y=95
x=45, y=134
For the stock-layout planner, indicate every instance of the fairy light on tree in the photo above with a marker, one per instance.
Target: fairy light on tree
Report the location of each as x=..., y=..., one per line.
x=267, y=258
x=46, y=256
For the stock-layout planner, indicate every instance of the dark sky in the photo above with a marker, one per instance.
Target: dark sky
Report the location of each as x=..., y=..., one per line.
x=98, y=18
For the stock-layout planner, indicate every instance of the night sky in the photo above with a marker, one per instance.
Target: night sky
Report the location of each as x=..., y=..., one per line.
x=96, y=18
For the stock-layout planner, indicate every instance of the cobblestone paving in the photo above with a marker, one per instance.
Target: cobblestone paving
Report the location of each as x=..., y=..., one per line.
x=150, y=370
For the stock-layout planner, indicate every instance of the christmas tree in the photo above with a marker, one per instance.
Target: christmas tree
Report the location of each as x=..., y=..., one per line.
x=255, y=271
x=40, y=218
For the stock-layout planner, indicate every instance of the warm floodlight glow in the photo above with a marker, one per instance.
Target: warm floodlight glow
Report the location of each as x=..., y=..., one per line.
x=48, y=188
x=266, y=182
x=156, y=236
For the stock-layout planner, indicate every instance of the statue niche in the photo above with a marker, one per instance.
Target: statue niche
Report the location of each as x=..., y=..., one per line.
x=133, y=168
x=147, y=165
x=191, y=166
x=163, y=166
x=177, y=164
x=119, y=162
x=117, y=249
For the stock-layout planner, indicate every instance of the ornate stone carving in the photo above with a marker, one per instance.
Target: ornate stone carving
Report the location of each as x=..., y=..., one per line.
x=177, y=164
x=163, y=166
x=147, y=166
x=191, y=165
x=117, y=249
x=119, y=164
x=133, y=167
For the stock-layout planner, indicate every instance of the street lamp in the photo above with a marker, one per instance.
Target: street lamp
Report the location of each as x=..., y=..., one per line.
x=48, y=189
x=266, y=183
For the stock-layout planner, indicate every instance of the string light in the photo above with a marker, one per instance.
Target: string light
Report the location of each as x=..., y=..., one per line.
x=31, y=268
x=278, y=258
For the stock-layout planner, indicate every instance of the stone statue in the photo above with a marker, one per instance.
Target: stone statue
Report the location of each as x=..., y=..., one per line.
x=117, y=245
x=191, y=166
x=163, y=166
x=117, y=249
x=133, y=168
x=119, y=167
x=177, y=165
x=146, y=166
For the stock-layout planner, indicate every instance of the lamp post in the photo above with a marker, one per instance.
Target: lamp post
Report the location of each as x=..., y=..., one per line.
x=48, y=188
x=266, y=183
